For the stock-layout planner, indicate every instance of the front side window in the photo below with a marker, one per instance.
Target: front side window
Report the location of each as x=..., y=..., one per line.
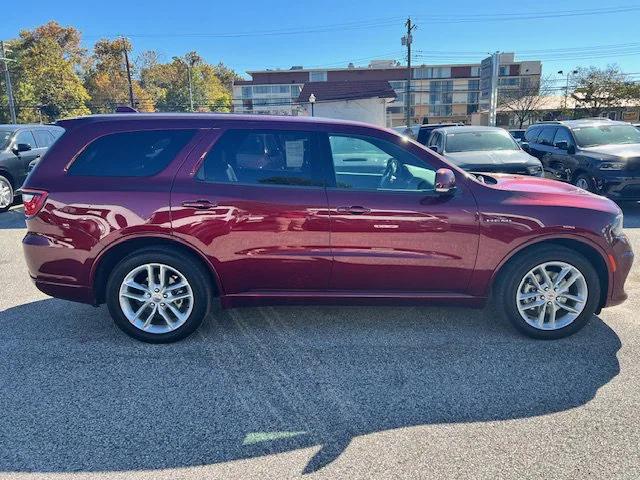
x=562, y=135
x=606, y=135
x=546, y=136
x=5, y=136
x=130, y=154
x=26, y=137
x=368, y=163
x=479, y=141
x=531, y=134
x=263, y=157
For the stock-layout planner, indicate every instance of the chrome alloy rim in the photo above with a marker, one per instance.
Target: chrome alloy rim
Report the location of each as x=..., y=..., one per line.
x=583, y=184
x=156, y=298
x=6, y=195
x=552, y=295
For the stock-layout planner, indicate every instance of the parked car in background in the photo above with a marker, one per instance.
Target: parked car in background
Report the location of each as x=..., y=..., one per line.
x=598, y=155
x=159, y=214
x=518, y=134
x=483, y=149
x=21, y=146
x=421, y=133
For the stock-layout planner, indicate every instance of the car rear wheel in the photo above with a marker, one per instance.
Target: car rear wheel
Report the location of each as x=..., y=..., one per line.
x=6, y=193
x=158, y=296
x=548, y=292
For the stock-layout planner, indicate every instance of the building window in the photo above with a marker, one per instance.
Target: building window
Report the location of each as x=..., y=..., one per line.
x=246, y=92
x=509, y=82
x=261, y=89
x=318, y=76
x=432, y=72
x=295, y=91
x=504, y=70
x=475, y=71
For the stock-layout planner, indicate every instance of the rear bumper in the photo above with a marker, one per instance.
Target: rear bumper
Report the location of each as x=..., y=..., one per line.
x=74, y=293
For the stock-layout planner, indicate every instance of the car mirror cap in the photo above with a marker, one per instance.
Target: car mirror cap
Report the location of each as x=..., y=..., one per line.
x=445, y=183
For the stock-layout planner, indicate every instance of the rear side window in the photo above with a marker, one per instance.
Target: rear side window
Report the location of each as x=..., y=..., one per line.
x=26, y=137
x=130, y=154
x=43, y=138
x=263, y=157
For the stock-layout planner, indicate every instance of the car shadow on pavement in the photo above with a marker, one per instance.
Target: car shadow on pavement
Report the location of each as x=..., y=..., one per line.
x=78, y=395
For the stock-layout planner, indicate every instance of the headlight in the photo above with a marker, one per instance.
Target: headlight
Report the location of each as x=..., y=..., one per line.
x=534, y=170
x=612, y=166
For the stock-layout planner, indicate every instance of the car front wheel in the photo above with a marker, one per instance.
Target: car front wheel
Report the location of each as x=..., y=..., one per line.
x=158, y=296
x=548, y=292
x=6, y=193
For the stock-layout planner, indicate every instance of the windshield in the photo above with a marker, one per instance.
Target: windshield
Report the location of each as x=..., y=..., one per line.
x=5, y=136
x=606, y=135
x=479, y=141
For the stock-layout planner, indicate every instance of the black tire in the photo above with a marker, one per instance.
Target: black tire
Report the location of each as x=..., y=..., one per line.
x=192, y=269
x=512, y=274
x=586, y=182
x=5, y=181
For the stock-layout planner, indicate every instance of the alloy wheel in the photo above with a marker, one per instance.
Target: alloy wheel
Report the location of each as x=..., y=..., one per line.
x=6, y=193
x=156, y=298
x=552, y=295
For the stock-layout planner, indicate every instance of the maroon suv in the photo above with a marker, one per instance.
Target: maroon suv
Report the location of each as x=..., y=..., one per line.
x=158, y=215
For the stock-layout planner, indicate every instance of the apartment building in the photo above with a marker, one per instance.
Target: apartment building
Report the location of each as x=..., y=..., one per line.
x=439, y=93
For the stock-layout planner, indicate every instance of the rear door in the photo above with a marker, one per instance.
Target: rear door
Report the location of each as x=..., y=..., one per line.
x=254, y=202
x=390, y=231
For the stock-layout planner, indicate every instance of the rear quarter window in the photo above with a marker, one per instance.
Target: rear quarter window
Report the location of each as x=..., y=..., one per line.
x=130, y=154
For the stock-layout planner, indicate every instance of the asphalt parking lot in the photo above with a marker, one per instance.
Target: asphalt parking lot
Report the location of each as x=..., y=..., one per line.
x=318, y=392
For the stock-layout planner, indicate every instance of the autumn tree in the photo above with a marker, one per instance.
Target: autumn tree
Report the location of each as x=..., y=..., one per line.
x=168, y=84
x=107, y=82
x=47, y=85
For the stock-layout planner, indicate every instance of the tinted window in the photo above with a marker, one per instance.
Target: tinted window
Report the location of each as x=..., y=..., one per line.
x=606, y=135
x=5, y=136
x=517, y=134
x=25, y=136
x=263, y=157
x=562, y=135
x=479, y=141
x=546, y=136
x=131, y=154
x=532, y=133
x=423, y=134
x=368, y=163
x=43, y=138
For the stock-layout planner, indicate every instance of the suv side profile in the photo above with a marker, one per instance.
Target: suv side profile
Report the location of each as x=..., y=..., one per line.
x=20, y=147
x=161, y=215
x=598, y=155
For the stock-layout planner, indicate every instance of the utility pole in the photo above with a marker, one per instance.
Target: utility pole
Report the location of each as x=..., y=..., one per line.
x=7, y=79
x=493, y=99
x=189, y=66
x=126, y=62
x=407, y=40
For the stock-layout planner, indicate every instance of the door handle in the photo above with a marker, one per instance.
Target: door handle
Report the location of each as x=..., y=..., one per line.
x=199, y=204
x=354, y=210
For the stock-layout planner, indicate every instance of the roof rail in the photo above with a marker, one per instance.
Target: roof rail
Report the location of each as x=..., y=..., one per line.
x=125, y=109
x=553, y=122
x=595, y=118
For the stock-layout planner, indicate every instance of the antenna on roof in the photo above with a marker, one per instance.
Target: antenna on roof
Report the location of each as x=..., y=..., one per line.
x=125, y=109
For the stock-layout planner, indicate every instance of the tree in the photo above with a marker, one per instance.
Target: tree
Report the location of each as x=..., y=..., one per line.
x=226, y=75
x=47, y=85
x=168, y=83
x=599, y=89
x=107, y=80
x=525, y=100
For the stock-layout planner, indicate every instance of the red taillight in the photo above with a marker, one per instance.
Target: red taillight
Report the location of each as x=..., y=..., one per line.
x=33, y=200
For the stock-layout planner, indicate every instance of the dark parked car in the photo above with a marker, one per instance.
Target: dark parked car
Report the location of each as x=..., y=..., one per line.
x=159, y=214
x=598, y=155
x=518, y=134
x=421, y=133
x=20, y=146
x=483, y=149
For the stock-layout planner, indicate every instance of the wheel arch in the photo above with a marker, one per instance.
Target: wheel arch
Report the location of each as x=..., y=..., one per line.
x=591, y=252
x=109, y=258
x=5, y=173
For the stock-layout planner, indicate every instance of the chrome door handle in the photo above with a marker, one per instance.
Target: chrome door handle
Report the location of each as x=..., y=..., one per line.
x=199, y=204
x=354, y=210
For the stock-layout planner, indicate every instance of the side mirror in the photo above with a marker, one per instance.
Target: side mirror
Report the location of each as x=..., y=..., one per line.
x=563, y=145
x=22, y=147
x=525, y=146
x=445, y=181
x=435, y=148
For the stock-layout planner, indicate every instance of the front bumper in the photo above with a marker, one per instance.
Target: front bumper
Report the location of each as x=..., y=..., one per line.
x=620, y=262
x=619, y=187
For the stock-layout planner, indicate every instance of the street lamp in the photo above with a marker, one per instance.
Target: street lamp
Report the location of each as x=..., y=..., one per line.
x=566, y=90
x=312, y=101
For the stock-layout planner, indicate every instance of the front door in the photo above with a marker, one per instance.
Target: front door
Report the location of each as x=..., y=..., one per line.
x=256, y=206
x=390, y=231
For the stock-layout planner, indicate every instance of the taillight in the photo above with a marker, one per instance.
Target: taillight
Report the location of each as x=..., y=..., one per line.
x=33, y=200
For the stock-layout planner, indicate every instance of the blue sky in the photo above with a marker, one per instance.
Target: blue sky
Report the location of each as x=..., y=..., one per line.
x=250, y=34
